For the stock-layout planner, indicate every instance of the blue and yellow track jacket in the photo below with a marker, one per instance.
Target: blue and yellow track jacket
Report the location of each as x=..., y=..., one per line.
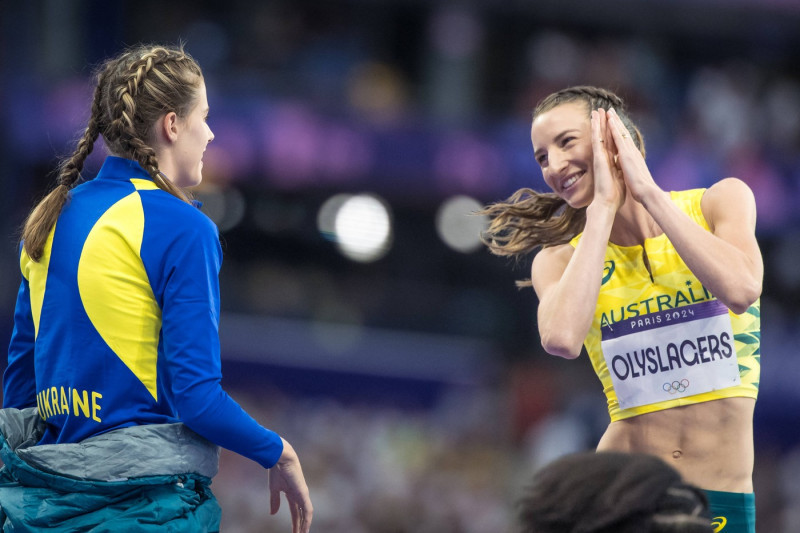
x=117, y=324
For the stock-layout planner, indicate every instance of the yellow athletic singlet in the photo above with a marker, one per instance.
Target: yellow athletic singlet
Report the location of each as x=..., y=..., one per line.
x=662, y=340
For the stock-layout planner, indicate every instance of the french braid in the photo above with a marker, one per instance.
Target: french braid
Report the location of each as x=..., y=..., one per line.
x=595, y=98
x=132, y=91
x=147, y=83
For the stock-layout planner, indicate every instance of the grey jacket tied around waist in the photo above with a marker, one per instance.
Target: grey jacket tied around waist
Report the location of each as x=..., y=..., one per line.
x=126, y=453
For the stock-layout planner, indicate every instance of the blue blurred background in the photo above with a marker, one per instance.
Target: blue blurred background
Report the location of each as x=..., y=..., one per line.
x=409, y=375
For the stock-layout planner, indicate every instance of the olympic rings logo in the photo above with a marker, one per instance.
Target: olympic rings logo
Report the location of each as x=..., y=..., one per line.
x=676, y=386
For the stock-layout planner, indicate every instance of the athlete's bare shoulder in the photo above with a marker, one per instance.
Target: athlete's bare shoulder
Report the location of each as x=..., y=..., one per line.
x=729, y=200
x=548, y=266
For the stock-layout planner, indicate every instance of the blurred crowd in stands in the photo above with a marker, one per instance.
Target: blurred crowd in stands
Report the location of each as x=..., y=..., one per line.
x=417, y=101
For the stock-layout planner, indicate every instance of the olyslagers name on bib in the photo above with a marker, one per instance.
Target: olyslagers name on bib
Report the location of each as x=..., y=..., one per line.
x=671, y=354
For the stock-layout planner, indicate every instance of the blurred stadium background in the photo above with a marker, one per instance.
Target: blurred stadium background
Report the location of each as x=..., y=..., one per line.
x=361, y=318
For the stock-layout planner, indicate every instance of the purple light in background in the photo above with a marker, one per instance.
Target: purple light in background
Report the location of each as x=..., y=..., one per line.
x=69, y=105
x=456, y=33
x=684, y=166
x=290, y=142
x=300, y=149
x=233, y=151
x=774, y=201
x=467, y=164
x=347, y=154
x=45, y=120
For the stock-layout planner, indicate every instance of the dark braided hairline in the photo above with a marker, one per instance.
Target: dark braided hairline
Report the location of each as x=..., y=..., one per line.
x=595, y=96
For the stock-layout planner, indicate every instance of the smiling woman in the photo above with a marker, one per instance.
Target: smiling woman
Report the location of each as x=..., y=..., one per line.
x=619, y=258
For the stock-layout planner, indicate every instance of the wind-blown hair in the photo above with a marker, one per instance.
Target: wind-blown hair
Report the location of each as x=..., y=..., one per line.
x=132, y=91
x=529, y=219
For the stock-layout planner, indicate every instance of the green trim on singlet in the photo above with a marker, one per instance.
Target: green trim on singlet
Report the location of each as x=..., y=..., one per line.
x=628, y=290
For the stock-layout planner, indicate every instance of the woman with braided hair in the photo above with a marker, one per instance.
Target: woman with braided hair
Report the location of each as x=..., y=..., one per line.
x=113, y=408
x=662, y=289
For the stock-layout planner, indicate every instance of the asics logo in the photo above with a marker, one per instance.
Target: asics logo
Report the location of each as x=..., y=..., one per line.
x=676, y=387
x=718, y=522
x=608, y=269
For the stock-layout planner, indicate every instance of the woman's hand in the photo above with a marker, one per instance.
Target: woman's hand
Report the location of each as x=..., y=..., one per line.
x=638, y=180
x=566, y=279
x=609, y=185
x=287, y=477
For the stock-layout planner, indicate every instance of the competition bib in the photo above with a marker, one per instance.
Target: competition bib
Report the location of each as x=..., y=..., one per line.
x=671, y=354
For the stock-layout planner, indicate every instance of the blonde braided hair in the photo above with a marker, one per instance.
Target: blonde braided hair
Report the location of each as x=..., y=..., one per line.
x=132, y=91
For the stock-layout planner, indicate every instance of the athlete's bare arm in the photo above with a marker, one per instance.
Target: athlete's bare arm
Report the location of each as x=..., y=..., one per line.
x=567, y=283
x=727, y=261
x=566, y=280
